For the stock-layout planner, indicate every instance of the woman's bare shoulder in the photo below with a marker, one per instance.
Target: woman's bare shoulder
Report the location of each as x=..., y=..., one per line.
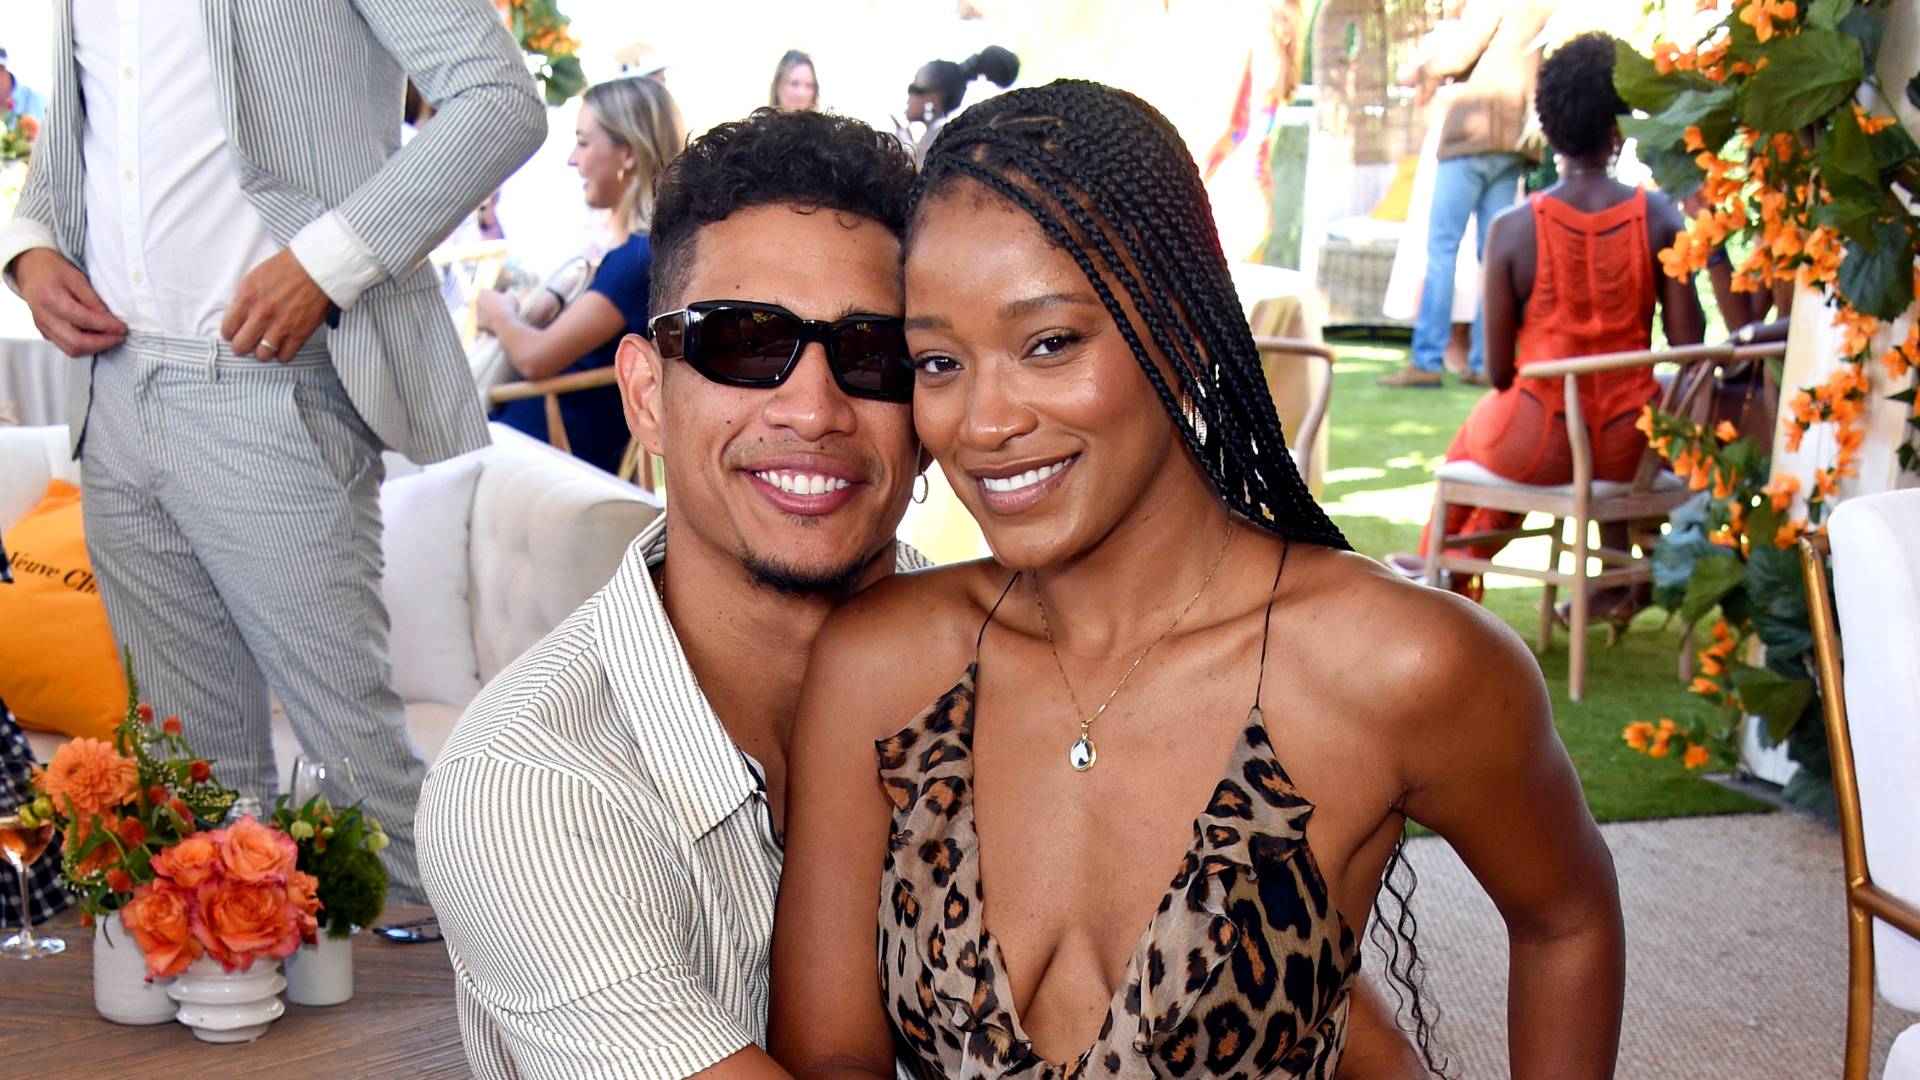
x=1403, y=655
x=902, y=641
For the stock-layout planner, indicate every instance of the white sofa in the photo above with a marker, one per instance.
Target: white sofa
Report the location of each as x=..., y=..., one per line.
x=484, y=555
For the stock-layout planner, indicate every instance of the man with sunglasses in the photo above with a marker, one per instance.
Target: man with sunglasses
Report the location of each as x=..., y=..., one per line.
x=600, y=836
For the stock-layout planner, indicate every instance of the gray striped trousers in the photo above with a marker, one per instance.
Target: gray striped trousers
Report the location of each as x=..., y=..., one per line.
x=233, y=517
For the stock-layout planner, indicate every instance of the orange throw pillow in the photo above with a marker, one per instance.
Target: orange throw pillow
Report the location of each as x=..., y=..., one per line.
x=59, y=667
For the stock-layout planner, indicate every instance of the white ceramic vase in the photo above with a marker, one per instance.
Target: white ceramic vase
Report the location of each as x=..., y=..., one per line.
x=121, y=992
x=321, y=973
x=224, y=1006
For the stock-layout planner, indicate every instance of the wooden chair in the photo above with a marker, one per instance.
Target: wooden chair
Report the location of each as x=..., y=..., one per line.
x=1319, y=358
x=1872, y=788
x=1642, y=503
x=636, y=465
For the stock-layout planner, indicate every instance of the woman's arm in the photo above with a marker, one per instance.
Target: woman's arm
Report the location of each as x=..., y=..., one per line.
x=828, y=1020
x=541, y=353
x=1495, y=781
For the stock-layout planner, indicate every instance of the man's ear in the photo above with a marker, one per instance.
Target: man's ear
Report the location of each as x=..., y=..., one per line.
x=642, y=375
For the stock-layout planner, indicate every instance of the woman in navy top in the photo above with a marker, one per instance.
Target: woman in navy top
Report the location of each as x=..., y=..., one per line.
x=627, y=132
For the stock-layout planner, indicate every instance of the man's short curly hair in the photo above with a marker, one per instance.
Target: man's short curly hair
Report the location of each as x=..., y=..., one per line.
x=801, y=158
x=1575, y=97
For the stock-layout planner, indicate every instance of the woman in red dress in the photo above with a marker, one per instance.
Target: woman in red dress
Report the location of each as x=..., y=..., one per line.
x=1573, y=271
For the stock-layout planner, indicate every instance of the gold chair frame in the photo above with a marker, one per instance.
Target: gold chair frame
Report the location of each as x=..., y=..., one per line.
x=1642, y=507
x=1865, y=900
x=636, y=465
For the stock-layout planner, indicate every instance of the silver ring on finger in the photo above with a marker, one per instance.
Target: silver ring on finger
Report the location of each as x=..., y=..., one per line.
x=265, y=349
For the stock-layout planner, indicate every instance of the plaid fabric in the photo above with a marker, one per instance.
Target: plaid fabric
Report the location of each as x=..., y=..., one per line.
x=44, y=894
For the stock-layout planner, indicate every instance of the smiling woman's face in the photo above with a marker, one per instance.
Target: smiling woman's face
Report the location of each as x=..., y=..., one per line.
x=1025, y=391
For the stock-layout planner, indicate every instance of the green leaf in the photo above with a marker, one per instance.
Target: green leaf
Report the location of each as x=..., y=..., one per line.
x=1684, y=545
x=1776, y=586
x=1674, y=170
x=1641, y=85
x=1877, y=278
x=1866, y=24
x=1904, y=397
x=1826, y=14
x=1710, y=110
x=1849, y=217
x=1777, y=698
x=1845, y=152
x=1892, y=147
x=1913, y=91
x=1805, y=77
x=1714, y=576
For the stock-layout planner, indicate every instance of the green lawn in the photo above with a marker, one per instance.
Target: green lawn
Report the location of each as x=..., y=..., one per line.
x=1385, y=444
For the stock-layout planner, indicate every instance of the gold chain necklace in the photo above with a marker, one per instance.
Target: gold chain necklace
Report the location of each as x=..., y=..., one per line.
x=1082, y=754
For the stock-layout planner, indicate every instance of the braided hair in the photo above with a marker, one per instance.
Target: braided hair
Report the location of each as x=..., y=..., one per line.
x=1111, y=183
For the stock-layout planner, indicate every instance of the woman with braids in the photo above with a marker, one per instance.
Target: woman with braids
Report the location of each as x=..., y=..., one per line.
x=1144, y=773
x=1573, y=271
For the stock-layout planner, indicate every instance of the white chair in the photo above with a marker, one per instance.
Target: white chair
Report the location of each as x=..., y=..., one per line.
x=543, y=531
x=1873, y=732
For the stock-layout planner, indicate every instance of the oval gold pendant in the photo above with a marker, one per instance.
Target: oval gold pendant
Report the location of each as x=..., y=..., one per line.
x=1081, y=755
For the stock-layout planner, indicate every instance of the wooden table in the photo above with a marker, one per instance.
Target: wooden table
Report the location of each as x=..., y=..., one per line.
x=400, y=1022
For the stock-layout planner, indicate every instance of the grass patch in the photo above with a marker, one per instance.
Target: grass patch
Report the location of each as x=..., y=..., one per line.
x=1384, y=445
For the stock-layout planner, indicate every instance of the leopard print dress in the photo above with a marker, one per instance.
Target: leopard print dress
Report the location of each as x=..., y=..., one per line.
x=1242, y=972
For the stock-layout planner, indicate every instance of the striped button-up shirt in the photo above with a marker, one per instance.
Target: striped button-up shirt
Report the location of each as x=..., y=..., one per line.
x=601, y=854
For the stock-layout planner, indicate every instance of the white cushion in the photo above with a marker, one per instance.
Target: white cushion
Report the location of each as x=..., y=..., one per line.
x=1903, y=1057
x=29, y=457
x=1467, y=471
x=1876, y=585
x=426, y=583
x=548, y=532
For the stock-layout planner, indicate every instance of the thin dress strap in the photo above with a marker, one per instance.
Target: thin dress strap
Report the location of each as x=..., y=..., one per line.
x=1266, y=629
x=989, y=619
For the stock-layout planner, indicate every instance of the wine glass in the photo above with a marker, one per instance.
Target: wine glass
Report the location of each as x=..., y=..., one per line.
x=330, y=777
x=22, y=845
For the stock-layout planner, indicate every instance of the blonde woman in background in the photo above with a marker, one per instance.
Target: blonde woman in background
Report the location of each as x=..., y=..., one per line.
x=795, y=86
x=627, y=132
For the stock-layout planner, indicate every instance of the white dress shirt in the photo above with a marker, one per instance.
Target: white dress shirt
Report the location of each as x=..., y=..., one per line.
x=170, y=233
x=601, y=855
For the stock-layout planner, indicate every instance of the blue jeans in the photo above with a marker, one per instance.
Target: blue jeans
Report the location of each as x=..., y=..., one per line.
x=1473, y=185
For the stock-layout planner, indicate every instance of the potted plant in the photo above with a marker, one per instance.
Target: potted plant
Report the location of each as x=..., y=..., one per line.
x=340, y=847
x=1777, y=118
x=119, y=805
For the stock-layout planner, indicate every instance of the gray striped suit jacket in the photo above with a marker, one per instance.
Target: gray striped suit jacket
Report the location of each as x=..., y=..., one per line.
x=311, y=93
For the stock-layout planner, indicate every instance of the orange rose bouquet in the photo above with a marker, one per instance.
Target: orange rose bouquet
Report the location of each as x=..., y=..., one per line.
x=232, y=894
x=127, y=806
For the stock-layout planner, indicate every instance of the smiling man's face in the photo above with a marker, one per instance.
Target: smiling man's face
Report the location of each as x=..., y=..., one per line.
x=801, y=483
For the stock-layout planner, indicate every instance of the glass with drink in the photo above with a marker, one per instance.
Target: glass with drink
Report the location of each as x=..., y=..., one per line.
x=22, y=841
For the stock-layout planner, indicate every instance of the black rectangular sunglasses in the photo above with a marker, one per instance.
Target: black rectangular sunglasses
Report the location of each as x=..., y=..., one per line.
x=743, y=343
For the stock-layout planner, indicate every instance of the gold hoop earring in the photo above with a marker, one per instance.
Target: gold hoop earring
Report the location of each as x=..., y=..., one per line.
x=921, y=488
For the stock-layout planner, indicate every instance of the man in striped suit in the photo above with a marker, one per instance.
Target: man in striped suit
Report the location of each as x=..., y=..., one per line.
x=231, y=244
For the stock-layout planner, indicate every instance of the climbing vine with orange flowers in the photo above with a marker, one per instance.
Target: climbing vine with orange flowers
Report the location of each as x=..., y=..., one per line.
x=541, y=30
x=1774, y=117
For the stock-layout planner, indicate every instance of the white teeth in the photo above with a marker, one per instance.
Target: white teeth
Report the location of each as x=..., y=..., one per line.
x=802, y=483
x=1026, y=479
